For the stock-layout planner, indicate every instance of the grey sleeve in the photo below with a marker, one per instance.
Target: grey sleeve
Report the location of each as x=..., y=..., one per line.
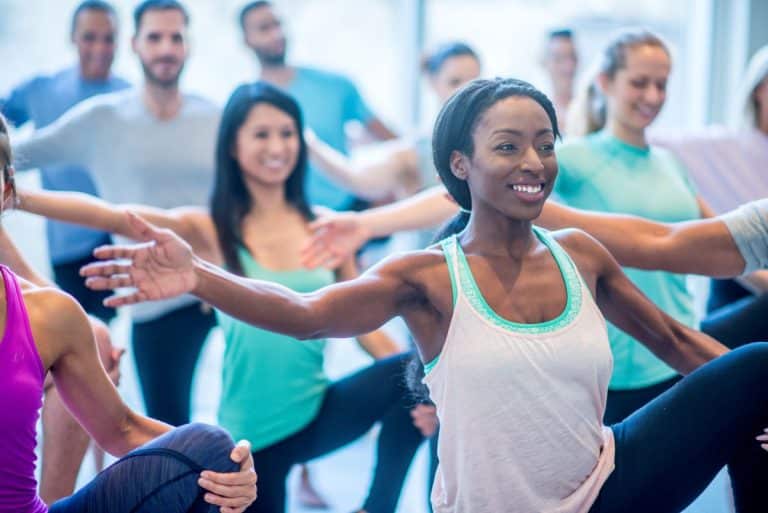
x=748, y=225
x=64, y=142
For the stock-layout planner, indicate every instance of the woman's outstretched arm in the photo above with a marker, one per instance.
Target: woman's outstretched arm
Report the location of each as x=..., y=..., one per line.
x=623, y=304
x=703, y=246
x=711, y=247
x=165, y=266
x=373, y=181
x=191, y=223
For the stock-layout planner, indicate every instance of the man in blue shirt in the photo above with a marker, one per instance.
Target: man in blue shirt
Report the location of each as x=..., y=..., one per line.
x=328, y=100
x=41, y=100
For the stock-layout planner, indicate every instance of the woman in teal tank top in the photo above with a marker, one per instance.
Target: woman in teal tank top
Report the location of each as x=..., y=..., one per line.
x=275, y=393
x=613, y=169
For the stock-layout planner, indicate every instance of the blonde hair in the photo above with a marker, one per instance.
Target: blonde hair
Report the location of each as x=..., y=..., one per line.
x=587, y=113
x=745, y=111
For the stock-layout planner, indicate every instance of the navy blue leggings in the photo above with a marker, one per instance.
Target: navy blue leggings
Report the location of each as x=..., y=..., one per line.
x=734, y=325
x=668, y=451
x=159, y=476
x=349, y=409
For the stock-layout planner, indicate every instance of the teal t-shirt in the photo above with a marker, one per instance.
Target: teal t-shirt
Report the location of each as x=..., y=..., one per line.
x=272, y=384
x=328, y=101
x=600, y=172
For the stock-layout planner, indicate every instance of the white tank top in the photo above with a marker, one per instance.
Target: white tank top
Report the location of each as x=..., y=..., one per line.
x=521, y=405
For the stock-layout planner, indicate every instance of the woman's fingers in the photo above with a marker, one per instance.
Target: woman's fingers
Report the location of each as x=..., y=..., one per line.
x=107, y=269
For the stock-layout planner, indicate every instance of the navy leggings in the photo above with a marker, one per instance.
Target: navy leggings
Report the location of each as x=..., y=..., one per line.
x=734, y=325
x=166, y=351
x=159, y=476
x=668, y=451
x=349, y=409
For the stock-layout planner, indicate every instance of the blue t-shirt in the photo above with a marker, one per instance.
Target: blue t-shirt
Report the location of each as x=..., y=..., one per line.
x=41, y=100
x=601, y=172
x=328, y=101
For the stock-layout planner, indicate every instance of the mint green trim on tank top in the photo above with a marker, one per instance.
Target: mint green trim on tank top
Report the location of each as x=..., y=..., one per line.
x=571, y=278
x=567, y=271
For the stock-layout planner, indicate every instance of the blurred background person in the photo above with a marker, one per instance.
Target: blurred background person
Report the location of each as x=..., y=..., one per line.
x=328, y=100
x=560, y=60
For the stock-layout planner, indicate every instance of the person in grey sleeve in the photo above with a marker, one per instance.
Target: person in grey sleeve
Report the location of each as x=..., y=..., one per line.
x=152, y=144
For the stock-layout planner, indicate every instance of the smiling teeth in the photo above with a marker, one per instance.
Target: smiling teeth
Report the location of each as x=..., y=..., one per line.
x=530, y=189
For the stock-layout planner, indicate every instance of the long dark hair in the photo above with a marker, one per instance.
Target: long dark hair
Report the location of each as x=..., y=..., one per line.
x=230, y=200
x=454, y=128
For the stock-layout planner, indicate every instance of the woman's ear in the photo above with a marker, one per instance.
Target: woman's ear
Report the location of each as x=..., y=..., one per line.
x=459, y=165
x=603, y=83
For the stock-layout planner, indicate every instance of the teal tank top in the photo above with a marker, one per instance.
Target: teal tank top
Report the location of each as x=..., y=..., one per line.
x=600, y=172
x=272, y=384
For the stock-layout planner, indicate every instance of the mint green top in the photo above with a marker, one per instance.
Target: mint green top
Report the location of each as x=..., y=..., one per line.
x=273, y=384
x=600, y=172
x=454, y=253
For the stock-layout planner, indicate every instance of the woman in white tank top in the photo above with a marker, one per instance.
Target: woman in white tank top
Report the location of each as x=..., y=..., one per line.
x=506, y=317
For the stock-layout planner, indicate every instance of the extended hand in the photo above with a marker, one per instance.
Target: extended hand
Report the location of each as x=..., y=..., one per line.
x=161, y=267
x=335, y=239
x=234, y=491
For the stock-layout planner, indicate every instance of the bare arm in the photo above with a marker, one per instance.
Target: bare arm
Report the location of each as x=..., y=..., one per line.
x=378, y=344
x=379, y=130
x=628, y=308
x=91, y=211
x=373, y=181
x=336, y=237
x=62, y=328
x=695, y=247
x=166, y=267
x=62, y=331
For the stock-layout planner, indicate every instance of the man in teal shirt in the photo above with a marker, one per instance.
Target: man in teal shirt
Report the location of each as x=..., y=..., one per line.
x=328, y=100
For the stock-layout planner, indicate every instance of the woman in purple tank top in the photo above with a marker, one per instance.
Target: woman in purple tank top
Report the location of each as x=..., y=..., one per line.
x=191, y=468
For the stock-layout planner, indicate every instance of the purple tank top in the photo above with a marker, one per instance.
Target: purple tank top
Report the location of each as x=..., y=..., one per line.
x=21, y=397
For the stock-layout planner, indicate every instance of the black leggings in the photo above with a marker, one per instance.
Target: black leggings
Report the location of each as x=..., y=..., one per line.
x=166, y=351
x=67, y=276
x=669, y=451
x=349, y=409
x=159, y=476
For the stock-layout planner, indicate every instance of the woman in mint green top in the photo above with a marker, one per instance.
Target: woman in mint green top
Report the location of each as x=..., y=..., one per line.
x=613, y=169
x=294, y=371
x=275, y=392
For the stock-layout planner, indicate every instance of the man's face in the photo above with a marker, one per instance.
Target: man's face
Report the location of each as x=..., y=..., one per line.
x=94, y=37
x=161, y=45
x=561, y=60
x=264, y=34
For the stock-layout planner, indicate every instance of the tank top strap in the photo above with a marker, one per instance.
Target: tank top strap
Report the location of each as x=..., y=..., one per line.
x=17, y=328
x=451, y=252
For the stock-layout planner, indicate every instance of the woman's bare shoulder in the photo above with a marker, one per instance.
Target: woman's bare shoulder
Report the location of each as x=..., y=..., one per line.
x=55, y=319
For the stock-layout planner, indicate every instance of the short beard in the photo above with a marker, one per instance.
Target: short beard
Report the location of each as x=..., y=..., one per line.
x=164, y=84
x=271, y=60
